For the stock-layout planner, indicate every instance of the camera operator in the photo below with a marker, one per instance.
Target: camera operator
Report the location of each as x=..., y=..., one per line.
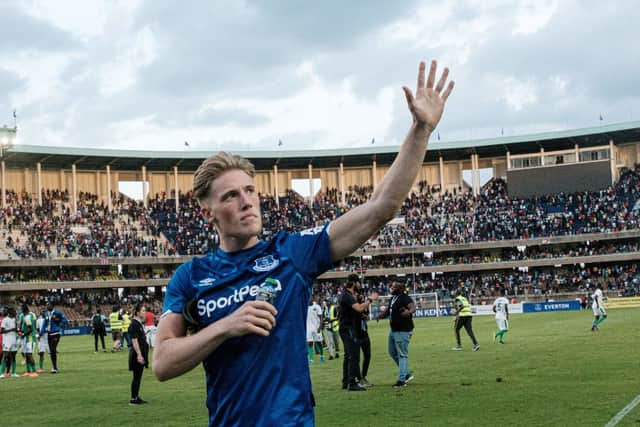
x=400, y=313
x=364, y=341
x=350, y=326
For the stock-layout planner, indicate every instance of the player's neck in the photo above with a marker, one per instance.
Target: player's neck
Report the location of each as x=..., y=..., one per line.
x=231, y=244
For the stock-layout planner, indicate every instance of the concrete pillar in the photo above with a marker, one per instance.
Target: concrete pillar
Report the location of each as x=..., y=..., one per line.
x=474, y=184
x=612, y=161
x=374, y=171
x=541, y=156
x=39, y=182
x=4, y=187
x=577, y=153
x=310, y=184
x=275, y=174
x=175, y=186
x=144, y=186
x=341, y=184
x=98, y=189
x=74, y=186
x=441, y=176
x=109, y=201
x=508, y=160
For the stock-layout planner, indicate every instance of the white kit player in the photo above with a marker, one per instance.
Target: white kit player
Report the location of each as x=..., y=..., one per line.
x=314, y=330
x=501, y=309
x=599, y=313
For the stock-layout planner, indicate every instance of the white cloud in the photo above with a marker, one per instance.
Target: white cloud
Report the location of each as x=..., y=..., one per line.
x=107, y=73
x=121, y=73
x=518, y=94
x=85, y=19
x=533, y=15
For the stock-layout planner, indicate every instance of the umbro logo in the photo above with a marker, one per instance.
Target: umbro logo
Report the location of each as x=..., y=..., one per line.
x=206, y=282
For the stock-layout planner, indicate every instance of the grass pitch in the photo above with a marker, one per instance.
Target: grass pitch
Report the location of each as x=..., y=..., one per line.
x=552, y=371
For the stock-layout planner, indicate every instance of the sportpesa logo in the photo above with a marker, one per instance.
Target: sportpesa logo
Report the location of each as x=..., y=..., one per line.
x=207, y=307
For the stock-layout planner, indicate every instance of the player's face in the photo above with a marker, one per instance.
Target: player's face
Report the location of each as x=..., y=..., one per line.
x=234, y=206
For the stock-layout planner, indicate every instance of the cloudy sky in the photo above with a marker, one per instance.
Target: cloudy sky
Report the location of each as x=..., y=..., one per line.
x=245, y=74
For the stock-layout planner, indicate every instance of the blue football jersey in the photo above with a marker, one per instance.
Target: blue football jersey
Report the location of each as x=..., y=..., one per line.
x=254, y=380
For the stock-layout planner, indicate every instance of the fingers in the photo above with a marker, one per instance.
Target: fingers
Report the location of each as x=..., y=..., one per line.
x=254, y=317
x=263, y=305
x=442, y=81
x=420, y=76
x=447, y=92
x=432, y=74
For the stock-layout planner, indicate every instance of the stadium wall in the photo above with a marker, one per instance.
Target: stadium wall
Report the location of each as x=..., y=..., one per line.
x=95, y=181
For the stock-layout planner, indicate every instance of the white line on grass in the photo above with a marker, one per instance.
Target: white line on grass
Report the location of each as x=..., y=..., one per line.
x=620, y=415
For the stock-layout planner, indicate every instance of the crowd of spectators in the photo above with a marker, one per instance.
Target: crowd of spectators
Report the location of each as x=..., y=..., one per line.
x=623, y=279
x=428, y=218
x=479, y=256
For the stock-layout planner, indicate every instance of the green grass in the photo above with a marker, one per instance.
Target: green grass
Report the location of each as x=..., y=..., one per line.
x=554, y=371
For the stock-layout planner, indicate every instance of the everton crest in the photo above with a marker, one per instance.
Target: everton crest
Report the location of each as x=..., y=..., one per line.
x=266, y=263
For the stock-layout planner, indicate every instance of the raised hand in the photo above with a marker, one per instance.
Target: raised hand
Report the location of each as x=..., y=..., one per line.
x=428, y=104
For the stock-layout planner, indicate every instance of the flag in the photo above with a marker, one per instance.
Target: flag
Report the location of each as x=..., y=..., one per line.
x=186, y=144
x=279, y=142
x=601, y=119
x=502, y=131
x=14, y=114
x=373, y=140
x=438, y=136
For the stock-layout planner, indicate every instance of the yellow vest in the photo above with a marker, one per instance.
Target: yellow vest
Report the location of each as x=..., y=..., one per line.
x=333, y=319
x=115, y=322
x=465, y=310
x=126, y=321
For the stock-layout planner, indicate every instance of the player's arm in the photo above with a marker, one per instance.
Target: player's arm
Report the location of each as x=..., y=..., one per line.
x=136, y=347
x=409, y=310
x=361, y=307
x=63, y=318
x=384, y=314
x=494, y=308
x=506, y=310
x=351, y=230
x=177, y=353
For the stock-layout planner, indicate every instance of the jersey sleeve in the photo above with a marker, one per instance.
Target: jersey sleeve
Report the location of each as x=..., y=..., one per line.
x=179, y=291
x=310, y=250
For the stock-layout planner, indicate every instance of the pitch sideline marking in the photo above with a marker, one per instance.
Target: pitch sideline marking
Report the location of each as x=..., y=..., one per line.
x=620, y=415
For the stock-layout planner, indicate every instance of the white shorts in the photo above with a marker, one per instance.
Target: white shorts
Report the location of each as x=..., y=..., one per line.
x=314, y=336
x=9, y=344
x=43, y=344
x=598, y=311
x=27, y=346
x=502, y=324
x=150, y=331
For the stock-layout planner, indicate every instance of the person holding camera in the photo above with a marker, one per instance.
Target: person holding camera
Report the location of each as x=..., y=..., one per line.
x=400, y=313
x=365, y=343
x=350, y=332
x=138, y=352
x=54, y=319
x=99, y=329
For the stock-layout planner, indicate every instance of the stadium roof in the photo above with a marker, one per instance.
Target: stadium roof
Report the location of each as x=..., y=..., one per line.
x=26, y=156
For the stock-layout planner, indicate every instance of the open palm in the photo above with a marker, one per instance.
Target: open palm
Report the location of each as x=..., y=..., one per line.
x=428, y=104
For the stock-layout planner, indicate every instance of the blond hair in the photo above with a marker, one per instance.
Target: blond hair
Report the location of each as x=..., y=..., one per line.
x=213, y=167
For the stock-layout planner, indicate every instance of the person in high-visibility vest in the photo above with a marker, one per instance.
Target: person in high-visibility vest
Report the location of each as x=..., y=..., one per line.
x=464, y=316
x=334, y=324
x=115, y=321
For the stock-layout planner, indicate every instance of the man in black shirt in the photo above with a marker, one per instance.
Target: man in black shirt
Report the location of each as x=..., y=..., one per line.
x=400, y=312
x=350, y=317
